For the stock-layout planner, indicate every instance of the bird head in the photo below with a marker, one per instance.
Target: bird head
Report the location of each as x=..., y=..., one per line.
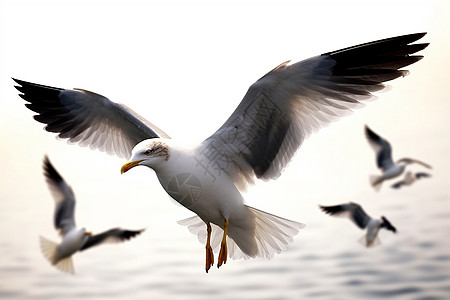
x=84, y=232
x=148, y=153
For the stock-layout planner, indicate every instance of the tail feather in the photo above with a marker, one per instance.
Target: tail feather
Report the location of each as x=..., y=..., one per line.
x=49, y=249
x=66, y=265
x=363, y=241
x=376, y=182
x=272, y=235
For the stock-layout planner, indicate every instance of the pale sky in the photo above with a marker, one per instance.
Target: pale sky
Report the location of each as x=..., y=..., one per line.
x=185, y=65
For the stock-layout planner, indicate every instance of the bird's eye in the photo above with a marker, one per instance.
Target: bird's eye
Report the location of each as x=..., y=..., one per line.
x=148, y=152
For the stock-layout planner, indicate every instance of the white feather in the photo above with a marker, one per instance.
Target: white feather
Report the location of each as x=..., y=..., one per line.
x=272, y=234
x=48, y=248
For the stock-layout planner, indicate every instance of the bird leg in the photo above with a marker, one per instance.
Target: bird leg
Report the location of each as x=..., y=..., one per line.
x=223, y=246
x=209, y=251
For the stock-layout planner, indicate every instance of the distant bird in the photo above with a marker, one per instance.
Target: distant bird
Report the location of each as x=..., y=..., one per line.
x=384, y=160
x=278, y=112
x=357, y=215
x=409, y=179
x=73, y=239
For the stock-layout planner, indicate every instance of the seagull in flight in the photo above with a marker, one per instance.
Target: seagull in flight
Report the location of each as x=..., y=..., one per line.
x=357, y=215
x=384, y=159
x=409, y=179
x=73, y=239
x=278, y=112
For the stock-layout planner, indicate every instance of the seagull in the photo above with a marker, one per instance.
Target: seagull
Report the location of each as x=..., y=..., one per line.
x=278, y=112
x=73, y=239
x=409, y=179
x=357, y=215
x=383, y=152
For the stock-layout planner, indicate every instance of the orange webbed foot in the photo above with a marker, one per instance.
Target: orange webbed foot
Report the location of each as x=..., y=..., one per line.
x=223, y=254
x=209, y=250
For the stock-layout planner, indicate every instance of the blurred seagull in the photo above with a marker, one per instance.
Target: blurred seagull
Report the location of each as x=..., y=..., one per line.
x=357, y=215
x=73, y=239
x=383, y=152
x=277, y=114
x=409, y=179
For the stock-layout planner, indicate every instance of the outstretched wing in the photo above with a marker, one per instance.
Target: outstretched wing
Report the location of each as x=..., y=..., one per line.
x=350, y=210
x=64, y=219
x=293, y=100
x=383, y=149
x=87, y=118
x=406, y=160
x=114, y=235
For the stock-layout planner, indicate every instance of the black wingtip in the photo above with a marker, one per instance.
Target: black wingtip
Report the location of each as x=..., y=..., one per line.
x=128, y=234
x=406, y=38
x=19, y=86
x=50, y=171
x=370, y=134
x=34, y=88
x=388, y=225
x=329, y=209
x=401, y=40
x=378, y=61
x=21, y=83
x=419, y=35
x=367, y=129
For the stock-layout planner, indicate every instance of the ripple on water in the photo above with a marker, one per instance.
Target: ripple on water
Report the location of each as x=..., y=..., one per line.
x=354, y=282
x=10, y=294
x=441, y=258
x=426, y=245
x=401, y=291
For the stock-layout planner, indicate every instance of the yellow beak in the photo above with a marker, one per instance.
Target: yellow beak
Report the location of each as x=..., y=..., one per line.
x=129, y=165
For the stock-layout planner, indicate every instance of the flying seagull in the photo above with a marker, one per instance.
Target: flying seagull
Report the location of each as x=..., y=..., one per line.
x=383, y=151
x=409, y=179
x=73, y=239
x=277, y=114
x=357, y=215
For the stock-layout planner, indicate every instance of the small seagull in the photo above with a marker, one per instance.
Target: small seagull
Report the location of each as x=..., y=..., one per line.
x=410, y=178
x=383, y=152
x=357, y=215
x=73, y=239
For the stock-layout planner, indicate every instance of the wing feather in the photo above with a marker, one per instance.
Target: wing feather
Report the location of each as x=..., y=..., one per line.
x=114, y=235
x=64, y=219
x=350, y=210
x=292, y=101
x=382, y=148
x=87, y=118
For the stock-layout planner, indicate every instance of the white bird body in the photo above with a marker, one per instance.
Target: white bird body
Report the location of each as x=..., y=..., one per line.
x=189, y=178
x=371, y=239
x=60, y=255
x=71, y=243
x=211, y=182
x=216, y=197
x=392, y=171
